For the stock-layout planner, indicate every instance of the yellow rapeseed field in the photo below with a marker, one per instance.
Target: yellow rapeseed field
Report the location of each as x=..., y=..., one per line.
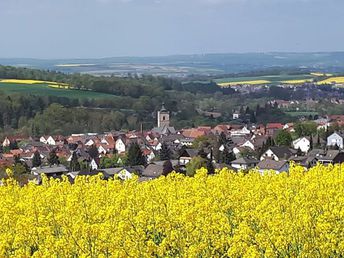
x=296, y=81
x=256, y=82
x=295, y=214
x=338, y=80
x=19, y=81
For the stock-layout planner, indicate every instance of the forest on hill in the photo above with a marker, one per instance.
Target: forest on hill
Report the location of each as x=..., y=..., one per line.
x=127, y=102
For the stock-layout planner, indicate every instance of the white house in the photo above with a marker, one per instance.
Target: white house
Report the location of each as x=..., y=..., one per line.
x=102, y=150
x=90, y=142
x=51, y=141
x=120, y=146
x=335, y=139
x=93, y=165
x=43, y=139
x=277, y=153
x=303, y=144
x=248, y=144
x=244, y=163
x=242, y=132
x=6, y=142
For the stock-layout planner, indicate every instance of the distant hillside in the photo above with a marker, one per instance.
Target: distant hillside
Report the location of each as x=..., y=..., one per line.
x=185, y=65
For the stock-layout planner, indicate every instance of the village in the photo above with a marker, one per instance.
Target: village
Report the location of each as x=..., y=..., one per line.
x=164, y=149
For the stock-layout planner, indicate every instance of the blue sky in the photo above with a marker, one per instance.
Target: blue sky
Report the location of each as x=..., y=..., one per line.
x=107, y=28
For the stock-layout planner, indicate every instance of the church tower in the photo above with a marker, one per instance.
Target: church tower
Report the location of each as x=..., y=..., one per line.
x=163, y=117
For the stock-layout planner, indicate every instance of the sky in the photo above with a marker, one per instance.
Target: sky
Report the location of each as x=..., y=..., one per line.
x=110, y=28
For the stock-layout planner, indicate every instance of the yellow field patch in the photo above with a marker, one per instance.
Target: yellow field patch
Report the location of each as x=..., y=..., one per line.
x=296, y=81
x=30, y=82
x=257, y=82
x=333, y=80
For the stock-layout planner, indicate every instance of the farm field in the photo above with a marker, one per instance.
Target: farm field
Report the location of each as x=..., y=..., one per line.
x=338, y=80
x=43, y=88
x=268, y=79
x=294, y=214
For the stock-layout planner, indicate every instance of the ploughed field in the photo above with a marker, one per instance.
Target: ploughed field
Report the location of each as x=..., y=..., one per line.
x=294, y=214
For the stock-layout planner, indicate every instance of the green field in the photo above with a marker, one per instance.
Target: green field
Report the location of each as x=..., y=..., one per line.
x=42, y=89
x=273, y=79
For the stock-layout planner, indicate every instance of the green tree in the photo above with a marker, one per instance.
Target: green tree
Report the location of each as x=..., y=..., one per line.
x=167, y=167
x=53, y=159
x=228, y=156
x=195, y=164
x=283, y=138
x=93, y=152
x=165, y=152
x=36, y=160
x=74, y=164
x=135, y=156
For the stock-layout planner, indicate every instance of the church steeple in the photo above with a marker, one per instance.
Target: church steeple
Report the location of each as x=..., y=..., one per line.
x=163, y=117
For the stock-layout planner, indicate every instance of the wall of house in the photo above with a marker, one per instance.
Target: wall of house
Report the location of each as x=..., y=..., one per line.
x=335, y=139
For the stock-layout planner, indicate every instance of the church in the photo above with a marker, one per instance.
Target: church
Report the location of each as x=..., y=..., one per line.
x=163, y=122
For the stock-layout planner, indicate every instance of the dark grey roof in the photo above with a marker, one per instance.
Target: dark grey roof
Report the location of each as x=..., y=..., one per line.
x=112, y=171
x=330, y=155
x=271, y=164
x=164, y=130
x=189, y=153
x=281, y=152
x=153, y=171
x=50, y=170
x=245, y=160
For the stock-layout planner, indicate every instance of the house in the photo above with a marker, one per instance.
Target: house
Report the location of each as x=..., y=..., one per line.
x=236, y=115
x=272, y=128
x=276, y=166
x=94, y=164
x=152, y=171
x=120, y=146
x=244, y=163
x=277, y=153
x=336, y=139
x=303, y=144
x=6, y=142
x=50, y=171
x=186, y=156
x=240, y=132
x=121, y=172
x=331, y=157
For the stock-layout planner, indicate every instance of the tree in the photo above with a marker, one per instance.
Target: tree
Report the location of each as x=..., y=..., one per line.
x=222, y=138
x=74, y=163
x=36, y=160
x=306, y=129
x=253, y=118
x=227, y=156
x=165, y=152
x=93, y=152
x=135, y=155
x=311, y=143
x=167, y=168
x=283, y=138
x=53, y=159
x=195, y=164
x=210, y=167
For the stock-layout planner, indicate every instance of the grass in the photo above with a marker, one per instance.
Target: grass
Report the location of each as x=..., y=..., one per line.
x=49, y=89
